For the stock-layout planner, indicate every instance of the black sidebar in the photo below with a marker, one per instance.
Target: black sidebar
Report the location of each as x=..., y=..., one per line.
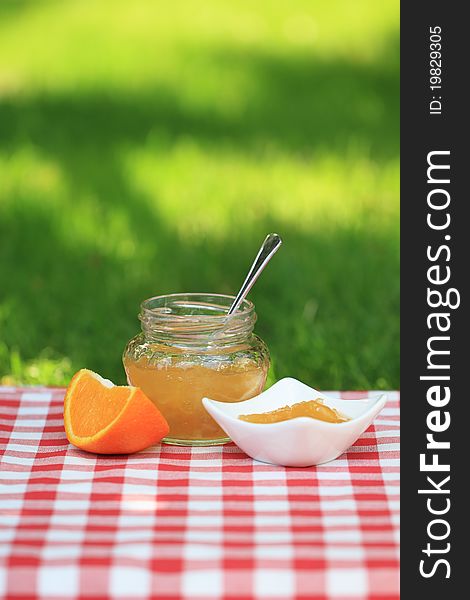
x=435, y=257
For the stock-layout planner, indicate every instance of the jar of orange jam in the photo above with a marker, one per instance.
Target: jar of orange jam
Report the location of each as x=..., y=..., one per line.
x=187, y=351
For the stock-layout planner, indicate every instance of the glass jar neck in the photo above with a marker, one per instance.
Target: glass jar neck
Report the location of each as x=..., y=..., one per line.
x=196, y=320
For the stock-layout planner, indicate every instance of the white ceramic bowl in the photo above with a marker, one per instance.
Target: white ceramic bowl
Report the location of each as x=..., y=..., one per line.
x=299, y=442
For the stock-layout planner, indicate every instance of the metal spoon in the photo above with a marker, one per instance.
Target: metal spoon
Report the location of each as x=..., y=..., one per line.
x=268, y=248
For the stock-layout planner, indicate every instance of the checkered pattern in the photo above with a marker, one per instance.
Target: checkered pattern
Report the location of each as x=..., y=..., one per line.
x=200, y=523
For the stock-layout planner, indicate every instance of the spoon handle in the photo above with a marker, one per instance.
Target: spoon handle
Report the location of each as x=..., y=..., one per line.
x=266, y=252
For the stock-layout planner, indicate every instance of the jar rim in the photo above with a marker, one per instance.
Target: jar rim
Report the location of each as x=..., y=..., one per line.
x=192, y=318
x=161, y=306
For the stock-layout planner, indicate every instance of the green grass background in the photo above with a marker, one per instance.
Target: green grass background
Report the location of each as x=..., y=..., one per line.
x=147, y=147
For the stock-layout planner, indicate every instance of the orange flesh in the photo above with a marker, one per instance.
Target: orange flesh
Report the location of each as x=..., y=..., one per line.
x=177, y=392
x=99, y=409
x=314, y=409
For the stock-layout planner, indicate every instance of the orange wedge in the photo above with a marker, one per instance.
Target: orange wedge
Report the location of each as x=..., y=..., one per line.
x=109, y=419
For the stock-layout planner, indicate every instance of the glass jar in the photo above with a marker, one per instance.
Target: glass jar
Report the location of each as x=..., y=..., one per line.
x=187, y=351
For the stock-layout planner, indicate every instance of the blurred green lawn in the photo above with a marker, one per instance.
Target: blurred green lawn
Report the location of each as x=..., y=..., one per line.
x=147, y=148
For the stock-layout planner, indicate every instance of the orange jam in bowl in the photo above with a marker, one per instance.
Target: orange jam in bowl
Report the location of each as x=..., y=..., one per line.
x=187, y=351
x=314, y=409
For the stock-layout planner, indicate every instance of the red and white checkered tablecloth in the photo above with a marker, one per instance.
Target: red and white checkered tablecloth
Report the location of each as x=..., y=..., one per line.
x=202, y=523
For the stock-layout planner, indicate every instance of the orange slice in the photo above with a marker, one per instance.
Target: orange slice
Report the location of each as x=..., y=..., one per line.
x=109, y=419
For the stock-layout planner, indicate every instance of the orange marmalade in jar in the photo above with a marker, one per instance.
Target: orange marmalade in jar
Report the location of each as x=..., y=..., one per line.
x=188, y=350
